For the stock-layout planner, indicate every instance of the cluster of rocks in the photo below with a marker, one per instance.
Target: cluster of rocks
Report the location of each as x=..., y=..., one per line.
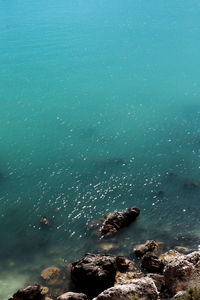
x=102, y=277
x=153, y=276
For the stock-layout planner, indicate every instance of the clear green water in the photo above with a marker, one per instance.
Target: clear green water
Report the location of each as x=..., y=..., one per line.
x=100, y=110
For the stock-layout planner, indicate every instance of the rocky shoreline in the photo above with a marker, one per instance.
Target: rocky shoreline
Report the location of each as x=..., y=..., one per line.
x=151, y=275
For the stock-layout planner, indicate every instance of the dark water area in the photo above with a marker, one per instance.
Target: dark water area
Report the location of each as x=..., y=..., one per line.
x=100, y=111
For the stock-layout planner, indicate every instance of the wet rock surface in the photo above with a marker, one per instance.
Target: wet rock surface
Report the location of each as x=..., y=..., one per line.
x=117, y=220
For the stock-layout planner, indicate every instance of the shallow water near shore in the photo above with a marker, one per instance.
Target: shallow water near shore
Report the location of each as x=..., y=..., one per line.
x=100, y=111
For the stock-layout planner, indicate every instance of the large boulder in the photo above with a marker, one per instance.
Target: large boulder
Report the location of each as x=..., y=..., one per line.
x=143, y=287
x=94, y=273
x=177, y=274
x=31, y=292
x=148, y=246
x=72, y=296
x=114, y=221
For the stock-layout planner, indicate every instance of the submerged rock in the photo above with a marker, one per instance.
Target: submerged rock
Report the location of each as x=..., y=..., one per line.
x=94, y=273
x=160, y=194
x=107, y=246
x=182, y=249
x=190, y=184
x=116, y=220
x=31, y=292
x=148, y=246
x=143, y=287
x=117, y=161
x=52, y=276
x=72, y=296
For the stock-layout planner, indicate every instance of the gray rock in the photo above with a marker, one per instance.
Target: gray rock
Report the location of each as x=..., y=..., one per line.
x=116, y=220
x=94, y=273
x=72, y=296
x=148, y=246
x=143, y=287
x=177, y=273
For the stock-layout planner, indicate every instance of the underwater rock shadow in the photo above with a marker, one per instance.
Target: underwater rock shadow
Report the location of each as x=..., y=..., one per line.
x=109, y=164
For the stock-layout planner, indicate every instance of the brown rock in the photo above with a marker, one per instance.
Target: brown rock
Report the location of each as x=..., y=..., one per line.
x=126, y=278
x=151, y=263
x=148, y=246
x=31, y=292
x=44, y=290
x=44, y=222
x=159, y=281
x=124, y=264
x=52, y=276
x=116, y=220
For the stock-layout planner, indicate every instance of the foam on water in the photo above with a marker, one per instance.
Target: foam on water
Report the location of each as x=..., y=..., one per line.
x=99, y=111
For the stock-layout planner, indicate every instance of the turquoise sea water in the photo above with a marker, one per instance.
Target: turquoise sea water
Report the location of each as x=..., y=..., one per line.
x=100, y=111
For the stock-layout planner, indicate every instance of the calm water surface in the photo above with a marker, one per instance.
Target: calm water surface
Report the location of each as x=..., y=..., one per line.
x=100, y=111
